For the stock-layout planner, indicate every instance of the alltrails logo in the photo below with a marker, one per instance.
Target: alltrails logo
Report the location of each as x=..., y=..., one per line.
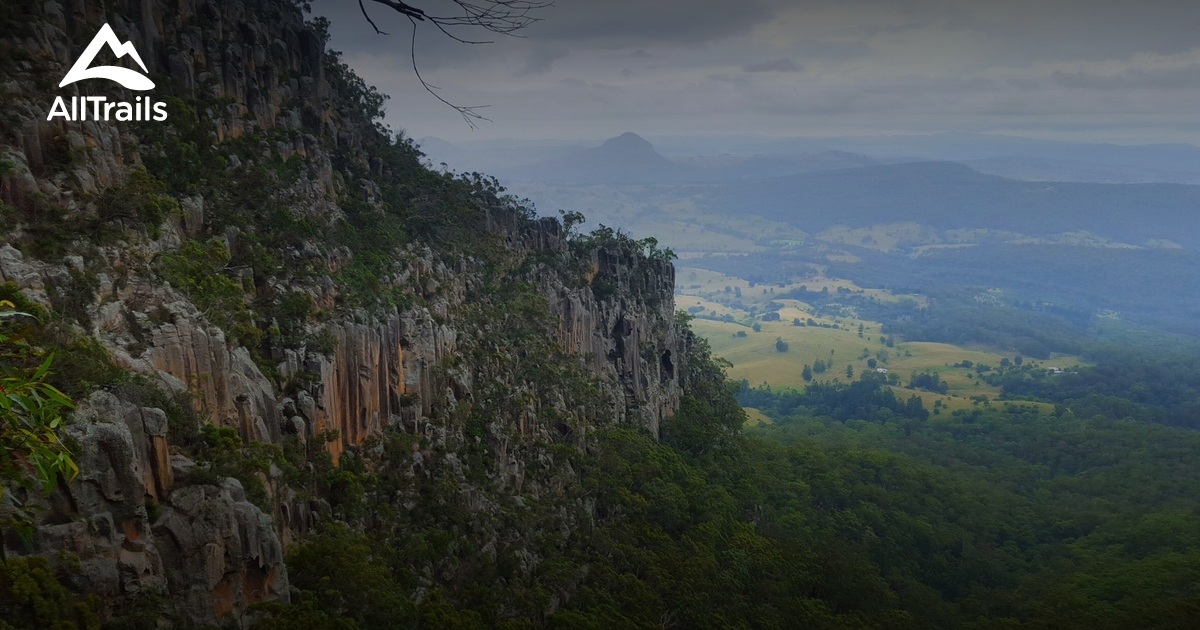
x=144, y=108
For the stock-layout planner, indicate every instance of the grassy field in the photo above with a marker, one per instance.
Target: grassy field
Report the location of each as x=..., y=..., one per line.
x=836, y=342
x=755, y=417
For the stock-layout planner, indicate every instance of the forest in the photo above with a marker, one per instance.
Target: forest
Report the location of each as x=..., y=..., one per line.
x=1083, y=517
x=854, y=509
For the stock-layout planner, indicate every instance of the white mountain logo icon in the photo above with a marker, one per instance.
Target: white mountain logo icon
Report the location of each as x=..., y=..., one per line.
x=126, y=77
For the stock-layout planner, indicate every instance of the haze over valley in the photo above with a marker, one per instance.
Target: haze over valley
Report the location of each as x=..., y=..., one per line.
x=934, y=219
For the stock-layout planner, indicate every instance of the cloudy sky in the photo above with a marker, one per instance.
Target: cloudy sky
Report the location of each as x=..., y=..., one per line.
x=1096, y=70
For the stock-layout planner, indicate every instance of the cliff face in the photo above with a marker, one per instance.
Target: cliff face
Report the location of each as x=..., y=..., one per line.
x=140, y=518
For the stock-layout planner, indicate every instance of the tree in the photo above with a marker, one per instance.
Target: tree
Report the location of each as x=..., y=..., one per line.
x=757, y=327
x=570, y=220
x=781, y=345
x=503, y=17
x=849, y=371
x=807, y=373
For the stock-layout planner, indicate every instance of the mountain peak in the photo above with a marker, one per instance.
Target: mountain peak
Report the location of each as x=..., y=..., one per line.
x=628, y=141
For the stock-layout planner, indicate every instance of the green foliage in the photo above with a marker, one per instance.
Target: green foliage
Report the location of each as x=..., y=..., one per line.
x=183, y=421
x=856, y=511
x=1083, y=519
x=32, y=417
x=928, y=380
x=1124, y=383
x=709, y=417
x=357, y=98
x=47, y=228
x=199, y=270
x=32, y=453
x=31, y=596
x=865, y=399
x=141, y=198
x=225, y=455
x=349, y=579
x=81, y=363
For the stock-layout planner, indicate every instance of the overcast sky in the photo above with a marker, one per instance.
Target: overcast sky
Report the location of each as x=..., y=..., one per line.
x=1096, y=70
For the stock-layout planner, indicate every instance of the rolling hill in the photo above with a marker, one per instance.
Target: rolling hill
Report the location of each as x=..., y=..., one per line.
x=951, y=196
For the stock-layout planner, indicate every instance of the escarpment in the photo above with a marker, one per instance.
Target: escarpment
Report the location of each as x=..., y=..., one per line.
x=269, y=267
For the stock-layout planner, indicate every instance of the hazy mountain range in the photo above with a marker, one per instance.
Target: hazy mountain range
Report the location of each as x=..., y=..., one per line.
x=629, y=158
x=951, y=196
x=1073, y=223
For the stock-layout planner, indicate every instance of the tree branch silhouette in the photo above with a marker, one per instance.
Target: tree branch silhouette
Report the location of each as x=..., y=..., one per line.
x=502, y=17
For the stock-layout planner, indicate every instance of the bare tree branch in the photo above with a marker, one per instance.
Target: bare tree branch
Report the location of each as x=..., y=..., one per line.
x=504, y=17
x=369, y=20
x=468, y=113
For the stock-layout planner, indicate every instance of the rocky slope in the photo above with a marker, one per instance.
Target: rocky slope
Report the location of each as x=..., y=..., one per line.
x=122, y=233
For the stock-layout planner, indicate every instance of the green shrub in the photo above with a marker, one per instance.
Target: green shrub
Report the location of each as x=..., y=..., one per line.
x=142, y=197
x=32, y=597
x=198, y=269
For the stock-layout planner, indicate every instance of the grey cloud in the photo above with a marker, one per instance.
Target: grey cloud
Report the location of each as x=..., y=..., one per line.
x=832, y=50
x=1088, y=30
x=867, y=62
x=1186, y=78
x=739, y=81
x=620, y=23
x=540, y=60
x=775, y=65
x=579, y=84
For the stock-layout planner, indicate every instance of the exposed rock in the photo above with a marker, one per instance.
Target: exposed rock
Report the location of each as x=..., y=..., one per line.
x=209, y=550
x=222, y=553
x=230, y=389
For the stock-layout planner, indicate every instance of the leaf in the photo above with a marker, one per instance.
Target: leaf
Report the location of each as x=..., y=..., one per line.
x=43, y=369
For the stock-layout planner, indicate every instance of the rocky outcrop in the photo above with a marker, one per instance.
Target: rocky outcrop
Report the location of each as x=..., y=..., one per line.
x=135, y=533
x=391, y=372
x=193, y=356
x=222, y=553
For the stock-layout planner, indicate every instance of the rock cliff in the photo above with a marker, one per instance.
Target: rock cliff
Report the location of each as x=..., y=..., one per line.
x=84, y=237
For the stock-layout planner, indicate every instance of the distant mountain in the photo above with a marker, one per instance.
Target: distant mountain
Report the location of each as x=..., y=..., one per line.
x=729, y=167
x=946, y=195
x=1010, y=156
x=437, y=150
x=631, y=159
x=625, y=159
x=723, y=158
x=1079, y=170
